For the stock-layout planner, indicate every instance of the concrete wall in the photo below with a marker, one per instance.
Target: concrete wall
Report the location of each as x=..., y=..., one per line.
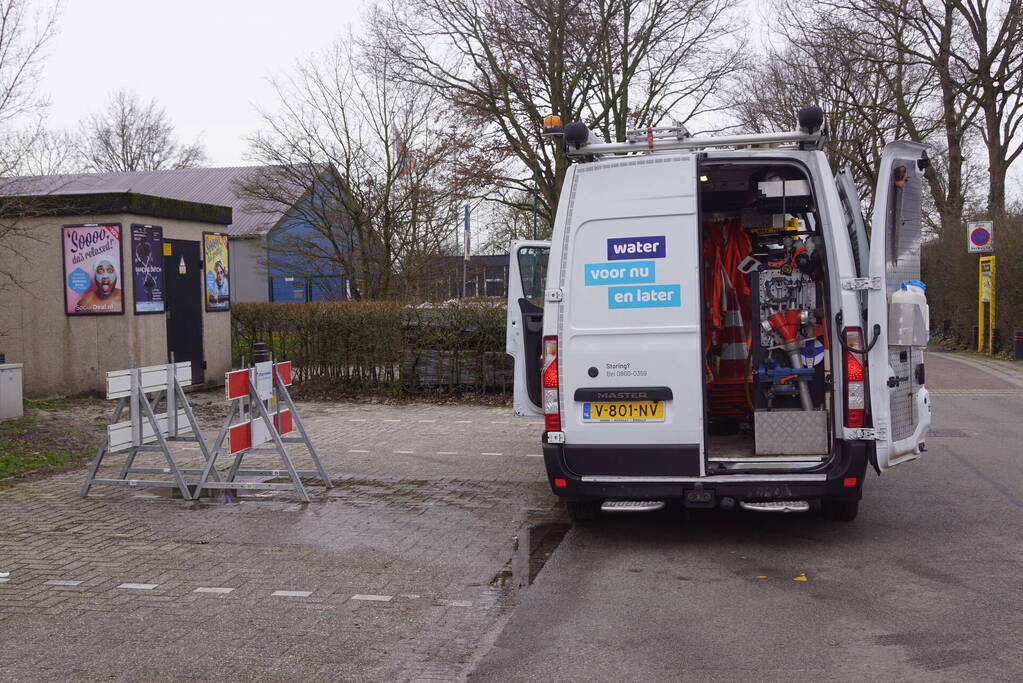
x=249, y=277
x=67, y=355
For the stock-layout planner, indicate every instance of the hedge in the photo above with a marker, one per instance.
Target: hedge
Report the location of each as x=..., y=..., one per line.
x=951, y=276
x=383, y=347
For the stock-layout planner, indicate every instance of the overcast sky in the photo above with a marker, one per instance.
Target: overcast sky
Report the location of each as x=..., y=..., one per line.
x=206, y=61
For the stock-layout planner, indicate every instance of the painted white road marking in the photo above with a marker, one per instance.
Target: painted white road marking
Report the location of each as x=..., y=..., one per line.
x=406, y=452
x=57, y=582
x=534, y=455
x=213, y=590
x=354, y=420
x=292, y=594
x=373, y=598
x=427, y=420
x=491, y=453
x=352, y=450
x=447, y=453
x=463, y=422
x=455, y=603
x=139, y=586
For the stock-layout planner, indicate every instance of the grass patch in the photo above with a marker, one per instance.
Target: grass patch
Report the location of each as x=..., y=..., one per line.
x=27, y=446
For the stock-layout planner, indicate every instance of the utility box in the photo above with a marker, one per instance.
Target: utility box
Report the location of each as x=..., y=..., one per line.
x=10, y=391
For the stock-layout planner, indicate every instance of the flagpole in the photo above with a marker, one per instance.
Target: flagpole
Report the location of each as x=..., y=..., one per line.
x=465, y=259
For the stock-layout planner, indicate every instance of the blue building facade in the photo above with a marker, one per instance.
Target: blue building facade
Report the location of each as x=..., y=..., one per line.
x=301, y=266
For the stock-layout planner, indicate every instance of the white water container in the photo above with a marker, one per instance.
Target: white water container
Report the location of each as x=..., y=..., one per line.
x=909, y=316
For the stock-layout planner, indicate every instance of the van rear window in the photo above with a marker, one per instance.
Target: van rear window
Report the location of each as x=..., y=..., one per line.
x=533, y=271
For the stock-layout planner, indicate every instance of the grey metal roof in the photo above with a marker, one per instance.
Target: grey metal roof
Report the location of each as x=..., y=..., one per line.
x=203, y=185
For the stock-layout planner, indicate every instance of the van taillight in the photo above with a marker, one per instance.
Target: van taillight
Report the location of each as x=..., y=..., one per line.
x=551, y=401
x=855, y=379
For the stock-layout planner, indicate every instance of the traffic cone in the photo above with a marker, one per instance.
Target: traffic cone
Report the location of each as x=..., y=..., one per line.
x=726, y=394
x=733, y=342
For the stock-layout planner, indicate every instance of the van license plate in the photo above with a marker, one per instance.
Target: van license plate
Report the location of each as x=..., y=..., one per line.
x=639, y=411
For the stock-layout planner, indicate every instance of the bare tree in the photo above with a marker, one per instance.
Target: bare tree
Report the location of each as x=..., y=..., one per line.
x=375, y=180
x=132, y=135
x=25, y=29
x=43, y=151
x=993, y=69
x=883, y=71
x=505, y=64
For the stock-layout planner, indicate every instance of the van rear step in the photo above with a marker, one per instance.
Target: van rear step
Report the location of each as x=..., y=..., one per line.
x=776, y=505
x=632, y=505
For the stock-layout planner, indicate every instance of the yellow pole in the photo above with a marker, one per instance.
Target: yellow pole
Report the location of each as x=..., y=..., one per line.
x=980, y=305
x=991, y=311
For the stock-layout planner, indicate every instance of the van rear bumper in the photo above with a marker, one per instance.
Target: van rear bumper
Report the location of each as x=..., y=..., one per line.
x=824, y=481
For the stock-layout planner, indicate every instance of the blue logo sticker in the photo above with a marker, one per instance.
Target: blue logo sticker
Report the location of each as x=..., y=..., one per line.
x=586, y=411
x=644, y=296
x=620, y=273
x=78, y=281
x=622, y=248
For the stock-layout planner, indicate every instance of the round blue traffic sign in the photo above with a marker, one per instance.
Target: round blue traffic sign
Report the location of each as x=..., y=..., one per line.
x=980, y=236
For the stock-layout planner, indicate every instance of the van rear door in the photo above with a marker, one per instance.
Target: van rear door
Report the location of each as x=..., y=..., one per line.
x=899, y=403
x=527, y=275
x=629, y=327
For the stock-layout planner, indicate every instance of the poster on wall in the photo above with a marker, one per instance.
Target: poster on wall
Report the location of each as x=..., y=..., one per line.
x=147, y=268
x=218, y=292
x=92, y=269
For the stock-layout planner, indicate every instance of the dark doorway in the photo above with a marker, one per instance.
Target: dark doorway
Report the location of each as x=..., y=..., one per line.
x=182, y=269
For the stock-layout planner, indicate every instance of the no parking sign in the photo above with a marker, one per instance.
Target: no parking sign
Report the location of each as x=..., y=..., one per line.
x=980, y=237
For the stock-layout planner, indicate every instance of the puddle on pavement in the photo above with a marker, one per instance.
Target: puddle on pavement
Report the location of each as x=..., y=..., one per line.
x=535, y=541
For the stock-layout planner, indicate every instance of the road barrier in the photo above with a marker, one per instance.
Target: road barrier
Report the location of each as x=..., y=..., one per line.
x=256, y=395
x=144, y=427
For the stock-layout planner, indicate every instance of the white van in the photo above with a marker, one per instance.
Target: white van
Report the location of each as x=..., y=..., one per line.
x=710, y=323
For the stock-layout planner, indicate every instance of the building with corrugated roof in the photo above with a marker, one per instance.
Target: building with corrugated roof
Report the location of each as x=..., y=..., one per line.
x=101, y=271
x=261, y=265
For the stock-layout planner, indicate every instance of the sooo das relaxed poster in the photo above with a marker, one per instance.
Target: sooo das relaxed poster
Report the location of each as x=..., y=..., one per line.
x=92, y=269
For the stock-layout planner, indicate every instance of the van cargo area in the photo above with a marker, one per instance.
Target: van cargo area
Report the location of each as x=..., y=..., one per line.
x=765, y=326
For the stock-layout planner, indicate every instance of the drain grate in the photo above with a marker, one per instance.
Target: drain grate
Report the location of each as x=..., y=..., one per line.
x=947, y=433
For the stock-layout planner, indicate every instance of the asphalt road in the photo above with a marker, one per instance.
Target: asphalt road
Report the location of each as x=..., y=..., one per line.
x=927, y=583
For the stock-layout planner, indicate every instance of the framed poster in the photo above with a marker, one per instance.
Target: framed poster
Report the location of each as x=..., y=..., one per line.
x=92, y=269
x=214, y=253
x=147, y=268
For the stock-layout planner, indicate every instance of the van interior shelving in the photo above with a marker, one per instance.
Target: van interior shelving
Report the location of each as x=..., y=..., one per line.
x=767, y=374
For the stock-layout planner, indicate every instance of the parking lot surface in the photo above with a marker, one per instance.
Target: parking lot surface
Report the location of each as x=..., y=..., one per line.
x=403, y=571
x=923, y=586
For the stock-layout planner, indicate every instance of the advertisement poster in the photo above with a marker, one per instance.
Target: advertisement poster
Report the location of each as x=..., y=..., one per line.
x=92, y=269
x=218, y=292
x=147, y=268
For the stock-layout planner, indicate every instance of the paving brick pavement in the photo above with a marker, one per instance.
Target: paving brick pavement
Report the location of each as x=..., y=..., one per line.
x=398, y=573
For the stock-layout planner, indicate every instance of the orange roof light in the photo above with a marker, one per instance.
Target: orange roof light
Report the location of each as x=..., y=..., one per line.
x=552, y=127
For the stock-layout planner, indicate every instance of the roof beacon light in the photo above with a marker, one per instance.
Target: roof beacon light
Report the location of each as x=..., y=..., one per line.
x=552, y=127
x=577, y=134
x=810, y=119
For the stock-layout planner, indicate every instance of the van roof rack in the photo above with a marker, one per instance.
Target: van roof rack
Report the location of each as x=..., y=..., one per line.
x=664, y=139
x=582, y=143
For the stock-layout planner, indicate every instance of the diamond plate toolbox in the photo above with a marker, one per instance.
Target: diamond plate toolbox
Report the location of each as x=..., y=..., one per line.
x=791, y=432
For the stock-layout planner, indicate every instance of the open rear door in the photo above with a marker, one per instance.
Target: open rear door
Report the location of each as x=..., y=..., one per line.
x=527, y=277
x=899, y=403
